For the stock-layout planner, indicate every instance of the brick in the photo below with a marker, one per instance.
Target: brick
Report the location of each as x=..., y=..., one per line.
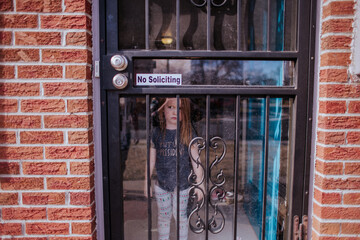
x=74, y=152
x=19, y=55
x=354, y=107
x=336, y=42
x=22, y=183
x=82, y=168
x=79, y=105
x=78, y=6
x=65, y=22
x=30, y=238
x=40, y=71
x=9, y=199
x=44, y=168
x=23, y=213
x=8, y=105
x=5, y=38
x=82, y=227
x=7, y=72
x=352, y=168
x=78, y=72
x=337, y=26
x=18, y=21
x=338, y=122
x=350, y=228
x=9, y=168
x=337, y=183
x=19, y=89
x=68, y=121
x=47, y=228
x=337, y=212
x=338, y=153
x=41, y=137
x=70, y=213
x=332, y=107
x=15, y=121
x=67, y=89
x=342, y=8
x=326, y=228
x=36, y=198
x=70, y=183
x=82, y=198
x=38, y=6
x=352, y=198
x=335, y=59
x=66, y=55
x=7, y=137
x=329, y=168
x=6, y=5
x=37, y=38
x=79, y=39
x=353, y=137
x=80, y=137
x=339, y=91
x=43, y=105
x=10, y=229
x=331, y=137
x=21, y=153
x=93, y=237
x=333, y=75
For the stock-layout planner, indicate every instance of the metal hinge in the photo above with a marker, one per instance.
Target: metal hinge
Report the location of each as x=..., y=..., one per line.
x=300, y=229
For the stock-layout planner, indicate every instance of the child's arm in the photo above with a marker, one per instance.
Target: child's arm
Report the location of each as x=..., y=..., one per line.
x=198, y=171
x=152, y=165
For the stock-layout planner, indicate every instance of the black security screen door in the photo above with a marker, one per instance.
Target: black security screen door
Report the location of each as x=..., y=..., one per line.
x=205, y=117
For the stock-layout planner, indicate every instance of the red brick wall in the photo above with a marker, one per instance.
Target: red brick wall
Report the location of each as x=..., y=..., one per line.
x=337, y=170
x=46, y=142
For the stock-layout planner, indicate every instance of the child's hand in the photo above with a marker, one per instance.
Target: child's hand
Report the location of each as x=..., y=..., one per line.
x=145, y=190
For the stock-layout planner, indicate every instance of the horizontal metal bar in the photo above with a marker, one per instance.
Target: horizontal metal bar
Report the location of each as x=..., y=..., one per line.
x=268, y=55
x=217, y=90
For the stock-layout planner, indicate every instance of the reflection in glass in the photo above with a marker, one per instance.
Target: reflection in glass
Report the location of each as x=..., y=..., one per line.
x=220, y=192
x=278, y=165
x=162, y=24
x=131, y=29
x=133, y=159
x=260, y=25
x=222, y=72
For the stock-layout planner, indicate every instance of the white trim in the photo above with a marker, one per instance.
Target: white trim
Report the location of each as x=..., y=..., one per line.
x=97, y=125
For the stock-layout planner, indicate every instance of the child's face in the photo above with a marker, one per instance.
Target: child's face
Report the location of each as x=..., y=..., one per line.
x=170, y=113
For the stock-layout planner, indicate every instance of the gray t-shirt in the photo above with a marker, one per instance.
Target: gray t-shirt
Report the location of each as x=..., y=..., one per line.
x=166, y=160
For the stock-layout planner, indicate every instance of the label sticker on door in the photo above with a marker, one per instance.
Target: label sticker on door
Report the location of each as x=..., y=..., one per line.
x=157, y=79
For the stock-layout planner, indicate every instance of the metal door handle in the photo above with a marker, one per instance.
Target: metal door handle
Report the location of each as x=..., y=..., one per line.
x=119, y=62
x=120, y=81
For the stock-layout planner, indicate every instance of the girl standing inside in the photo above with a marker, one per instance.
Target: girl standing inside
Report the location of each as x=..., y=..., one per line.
x=163, y=159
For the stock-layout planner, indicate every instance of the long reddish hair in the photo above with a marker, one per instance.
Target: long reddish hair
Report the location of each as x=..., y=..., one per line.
x=185, y=123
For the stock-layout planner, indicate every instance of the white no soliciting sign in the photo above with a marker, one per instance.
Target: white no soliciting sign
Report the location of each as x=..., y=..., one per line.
x=157, y=79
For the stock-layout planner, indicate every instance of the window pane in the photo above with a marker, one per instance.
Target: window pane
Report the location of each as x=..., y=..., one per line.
x=224, y=25
x=162, y=24
x=263, y=24
x=193, y=26
x=213, y=72
x=131, y=24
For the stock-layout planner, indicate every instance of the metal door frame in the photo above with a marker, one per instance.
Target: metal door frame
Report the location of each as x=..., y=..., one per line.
x=302, y=93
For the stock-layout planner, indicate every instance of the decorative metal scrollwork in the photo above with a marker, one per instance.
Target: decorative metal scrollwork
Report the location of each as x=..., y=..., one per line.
x=195, y=184
x=203, y=3
x=216, y=222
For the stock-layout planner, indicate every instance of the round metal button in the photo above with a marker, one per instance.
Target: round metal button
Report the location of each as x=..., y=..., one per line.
x=120, y=81
x=119, y=62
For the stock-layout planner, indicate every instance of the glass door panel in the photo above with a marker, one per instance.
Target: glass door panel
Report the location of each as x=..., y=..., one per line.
x=217, y=172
